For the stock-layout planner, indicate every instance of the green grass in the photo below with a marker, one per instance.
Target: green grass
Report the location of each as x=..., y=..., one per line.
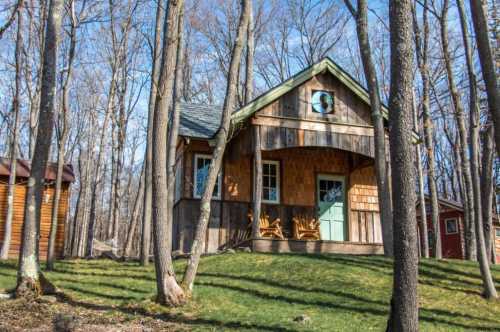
x=247, y=291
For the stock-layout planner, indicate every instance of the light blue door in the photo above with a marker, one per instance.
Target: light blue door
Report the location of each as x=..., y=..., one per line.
x=331, y=209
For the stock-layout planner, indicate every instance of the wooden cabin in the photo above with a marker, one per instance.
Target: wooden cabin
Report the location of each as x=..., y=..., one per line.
x=496, y=234
x=317, y=146
x=22, y=175
x=452, y=228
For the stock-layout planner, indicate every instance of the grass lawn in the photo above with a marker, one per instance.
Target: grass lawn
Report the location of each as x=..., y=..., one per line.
x=247, y=291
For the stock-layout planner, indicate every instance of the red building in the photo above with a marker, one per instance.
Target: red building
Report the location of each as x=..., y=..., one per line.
x=451, y=222
x=451, y=216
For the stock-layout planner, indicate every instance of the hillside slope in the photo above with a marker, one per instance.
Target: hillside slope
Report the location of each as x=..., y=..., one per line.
x=247, y=291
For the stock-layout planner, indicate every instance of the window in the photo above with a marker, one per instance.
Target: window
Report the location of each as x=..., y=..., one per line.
x=270, y=181
x=451, y=226
x=201, y=166
x=497, y=232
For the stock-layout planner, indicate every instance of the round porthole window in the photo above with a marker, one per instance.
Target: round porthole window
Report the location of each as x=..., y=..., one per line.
x=322, y=102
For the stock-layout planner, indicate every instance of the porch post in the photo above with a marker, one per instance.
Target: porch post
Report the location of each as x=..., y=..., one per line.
x=257, y=183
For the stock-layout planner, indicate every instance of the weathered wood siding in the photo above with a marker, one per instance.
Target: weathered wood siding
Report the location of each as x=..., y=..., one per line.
x=316, y=247
x=228, y=224
x=274, y=138
x=497, y=244
x=18, y=218
x=348, y=108
x=299, y=168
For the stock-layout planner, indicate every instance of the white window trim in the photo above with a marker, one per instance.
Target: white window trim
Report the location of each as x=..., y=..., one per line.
x=497, y=234
x=278, y=181
x=195, y=180
x=446, y=225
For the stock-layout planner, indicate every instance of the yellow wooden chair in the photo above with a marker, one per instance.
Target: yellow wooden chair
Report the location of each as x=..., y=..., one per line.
x=305, y=228
x=267, y=229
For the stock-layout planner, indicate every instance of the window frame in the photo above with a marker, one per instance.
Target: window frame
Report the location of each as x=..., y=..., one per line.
x=195, y=177
x=278, y=181
x=497, y=232
x=446, y=225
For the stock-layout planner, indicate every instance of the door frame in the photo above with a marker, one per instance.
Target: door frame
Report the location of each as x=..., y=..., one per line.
x=335, y=177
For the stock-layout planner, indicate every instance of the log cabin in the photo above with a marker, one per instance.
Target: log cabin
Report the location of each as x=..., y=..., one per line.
x=317, y=148
x=496, y=232
x=452, y=228
x=22, y=175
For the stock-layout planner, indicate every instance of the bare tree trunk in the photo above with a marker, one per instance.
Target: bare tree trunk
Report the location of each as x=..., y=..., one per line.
x=249, y=81
x=148, y=194
x=488, y=284
x=173, y=134
x=218, y=152
x=62, y=143
x=489, y=290
x=97, y=178
x=422, y=47
x=4, y=251
x=384, y=192
x=168, y=291
x=404, y=303
x=78, y=209
x=480, y=21
x=487, y=190
x=465, y=164
x=30, y=281
x=424, y=234
x=134, y=218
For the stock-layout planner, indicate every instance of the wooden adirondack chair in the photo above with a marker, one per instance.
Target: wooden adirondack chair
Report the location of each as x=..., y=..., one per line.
x=305, y=228
x=267, y=228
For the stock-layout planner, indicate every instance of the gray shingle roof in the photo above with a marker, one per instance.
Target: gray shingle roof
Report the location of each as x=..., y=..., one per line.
x=199, y=121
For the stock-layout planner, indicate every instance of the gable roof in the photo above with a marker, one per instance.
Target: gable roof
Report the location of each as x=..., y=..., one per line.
x=203, y=121
x=23, y=169
x=199, y=121
x=326, y=64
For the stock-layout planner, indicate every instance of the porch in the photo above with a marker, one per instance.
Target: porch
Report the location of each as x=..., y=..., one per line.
x=266, y=245
x=229, y=226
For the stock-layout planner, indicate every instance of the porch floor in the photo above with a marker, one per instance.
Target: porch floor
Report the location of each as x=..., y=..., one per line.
x=316, y=247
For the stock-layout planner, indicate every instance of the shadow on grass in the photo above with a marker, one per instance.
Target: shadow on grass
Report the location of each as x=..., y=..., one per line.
x=129, y=275
x=288, y=287
x=348, y=308
x=344, y=295
x=100, y=294
x=175, y=318
x=102, y=284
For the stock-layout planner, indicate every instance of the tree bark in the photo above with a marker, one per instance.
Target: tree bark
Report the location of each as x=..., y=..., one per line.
x=489, y=290
x=218, y=152
x=29, y=278
x=4, y=251
x=487, y=190
x=486, y=58
x=174, y=123
x=384, y=192
x=424, y=233
x=134, y=218
x=422, y=47
x=148, y=194
x=62, y=143
x=169, y=292
x=465, y=163
x=404, y=303
x=249, y=81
